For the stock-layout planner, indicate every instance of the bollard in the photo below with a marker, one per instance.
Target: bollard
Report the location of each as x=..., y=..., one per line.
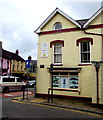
x=48, y=95
x=27, y=93
x=34, y=91
x=23, y=94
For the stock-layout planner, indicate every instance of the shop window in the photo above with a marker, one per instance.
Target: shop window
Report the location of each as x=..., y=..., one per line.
x=69, y=81
x=57, y=26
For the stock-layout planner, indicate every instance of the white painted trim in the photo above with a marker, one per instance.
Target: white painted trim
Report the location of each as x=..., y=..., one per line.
x=93, y=17
x=79, y=53
x=51, y=15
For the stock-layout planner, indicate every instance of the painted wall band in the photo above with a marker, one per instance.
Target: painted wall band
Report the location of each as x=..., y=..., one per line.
x=70, y=29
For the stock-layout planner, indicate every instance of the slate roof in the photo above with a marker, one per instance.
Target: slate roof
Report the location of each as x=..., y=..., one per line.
x=9, y=55
x=82, y=22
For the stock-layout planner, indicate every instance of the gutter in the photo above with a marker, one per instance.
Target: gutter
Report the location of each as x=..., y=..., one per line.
x=102, y=58
x=94, y=34
x=91, y=33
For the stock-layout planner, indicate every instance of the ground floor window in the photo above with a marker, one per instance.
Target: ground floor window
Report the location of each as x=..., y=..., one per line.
x=69, y=80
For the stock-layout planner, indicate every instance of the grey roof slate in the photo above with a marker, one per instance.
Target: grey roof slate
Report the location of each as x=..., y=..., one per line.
x=9, y=55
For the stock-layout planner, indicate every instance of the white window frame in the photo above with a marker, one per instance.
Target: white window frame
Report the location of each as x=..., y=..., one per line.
x=56, y=24
x=80, y=53
x=53, y=53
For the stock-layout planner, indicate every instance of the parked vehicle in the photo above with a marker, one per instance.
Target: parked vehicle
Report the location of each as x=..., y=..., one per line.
x=31, y=83
x=8, y=83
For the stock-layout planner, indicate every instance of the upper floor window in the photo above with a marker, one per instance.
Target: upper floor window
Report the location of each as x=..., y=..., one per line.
x=58, y=26
x=85, y=51
x=57, y=53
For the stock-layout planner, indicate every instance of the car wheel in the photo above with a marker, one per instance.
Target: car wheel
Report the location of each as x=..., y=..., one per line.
x=6, y=89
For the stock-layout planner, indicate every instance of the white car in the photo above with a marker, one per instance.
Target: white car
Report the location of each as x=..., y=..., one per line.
x=8, y=83
x=31, y=83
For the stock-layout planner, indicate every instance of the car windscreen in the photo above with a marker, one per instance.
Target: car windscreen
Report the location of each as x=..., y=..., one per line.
x=8, y=79
x=19, y=80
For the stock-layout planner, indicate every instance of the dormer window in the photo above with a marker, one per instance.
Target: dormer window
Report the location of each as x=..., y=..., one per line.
x=57, y=26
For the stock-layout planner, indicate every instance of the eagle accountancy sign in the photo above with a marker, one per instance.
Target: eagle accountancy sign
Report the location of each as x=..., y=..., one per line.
x=44, y=50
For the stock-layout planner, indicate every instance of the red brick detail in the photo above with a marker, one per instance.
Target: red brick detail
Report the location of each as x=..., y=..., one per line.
x=57, y=41
x=59, y=31
x=83, y=39
x=70, y=29
x=95, y=26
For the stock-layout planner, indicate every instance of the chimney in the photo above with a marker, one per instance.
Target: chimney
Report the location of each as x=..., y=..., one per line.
x=29, y=58
x=17, y=52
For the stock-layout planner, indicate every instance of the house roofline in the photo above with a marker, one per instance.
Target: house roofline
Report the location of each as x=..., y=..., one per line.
x=50, y=17
x=93, y=17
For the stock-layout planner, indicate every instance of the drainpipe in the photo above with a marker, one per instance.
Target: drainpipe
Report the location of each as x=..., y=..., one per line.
x=94, y=34
x=97, y=68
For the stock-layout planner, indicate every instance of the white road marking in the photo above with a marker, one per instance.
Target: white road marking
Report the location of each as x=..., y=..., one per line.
x=8, y=95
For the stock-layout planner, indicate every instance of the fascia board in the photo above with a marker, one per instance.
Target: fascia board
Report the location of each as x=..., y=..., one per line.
x=93, y=17
x=69, y=18
x=45, y=22
x=51, y=15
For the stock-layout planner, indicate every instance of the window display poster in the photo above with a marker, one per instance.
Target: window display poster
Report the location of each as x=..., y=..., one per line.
x=64, y=82
x=55, y=81
x=73, y=82
x=44, y=50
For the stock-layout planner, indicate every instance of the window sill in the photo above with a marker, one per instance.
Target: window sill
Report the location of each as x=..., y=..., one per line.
x=57, y=64
x=60, y=89
x=84, y=64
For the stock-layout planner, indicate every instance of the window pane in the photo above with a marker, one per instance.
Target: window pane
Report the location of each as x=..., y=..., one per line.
x=57, y=58
x=85, y=46
x=57, y=48
x=85, y=57
x=58, y=26
x=73, y=81
x=8, y=79
x=57, y=53
x=56, y=81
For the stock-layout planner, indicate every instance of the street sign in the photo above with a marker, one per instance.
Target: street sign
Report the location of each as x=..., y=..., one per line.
x=27, y=63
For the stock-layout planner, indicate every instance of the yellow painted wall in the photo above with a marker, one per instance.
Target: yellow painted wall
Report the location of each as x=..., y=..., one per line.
x=17, y=66
x=58, y=18
x=97, y=20
x=70, y=59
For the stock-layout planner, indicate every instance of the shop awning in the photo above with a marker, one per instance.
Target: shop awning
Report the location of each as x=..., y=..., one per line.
x=65, y=69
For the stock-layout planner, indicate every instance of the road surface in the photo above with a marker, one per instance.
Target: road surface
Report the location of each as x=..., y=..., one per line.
x=12, y=109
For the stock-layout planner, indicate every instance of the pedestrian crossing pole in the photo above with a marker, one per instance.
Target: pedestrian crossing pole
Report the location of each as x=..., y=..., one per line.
x=51, y=68
x=28, y=71
x=97, y=66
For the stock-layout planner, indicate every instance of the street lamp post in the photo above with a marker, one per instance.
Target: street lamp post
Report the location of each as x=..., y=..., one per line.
x=97, y=66
x=51, y=68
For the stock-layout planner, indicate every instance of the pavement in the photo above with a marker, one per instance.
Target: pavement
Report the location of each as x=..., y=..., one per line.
x=75, y=104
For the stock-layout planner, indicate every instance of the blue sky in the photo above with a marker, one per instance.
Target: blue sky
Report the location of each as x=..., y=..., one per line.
x=20, y=18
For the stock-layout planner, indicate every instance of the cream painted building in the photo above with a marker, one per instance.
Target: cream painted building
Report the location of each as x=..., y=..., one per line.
x=71, y=46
